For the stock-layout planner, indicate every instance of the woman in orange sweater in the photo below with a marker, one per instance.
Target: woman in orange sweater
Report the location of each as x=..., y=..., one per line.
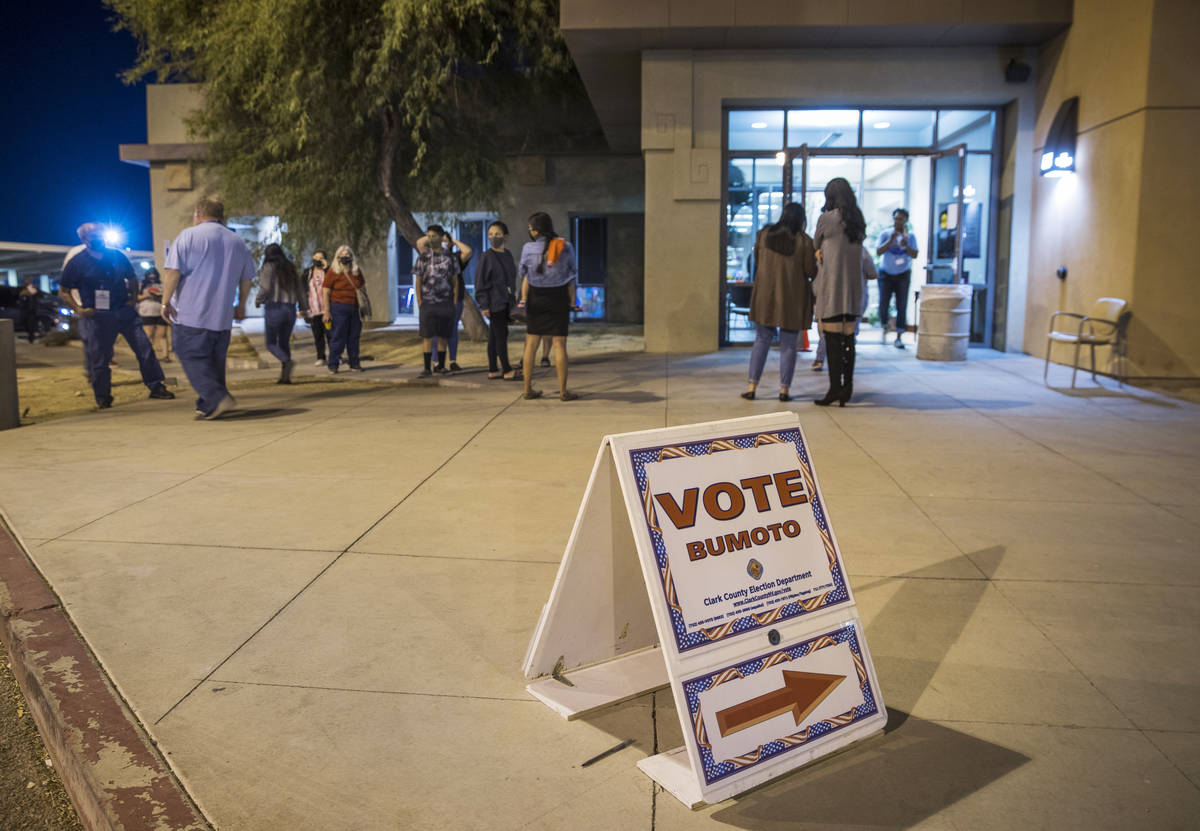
x=342, y=280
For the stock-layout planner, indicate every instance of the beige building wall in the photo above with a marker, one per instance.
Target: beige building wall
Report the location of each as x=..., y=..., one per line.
x=175, y=185
x=683, y=93
x=1122, y=225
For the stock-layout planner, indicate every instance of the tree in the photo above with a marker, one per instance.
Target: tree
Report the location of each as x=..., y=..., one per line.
x=344, y=114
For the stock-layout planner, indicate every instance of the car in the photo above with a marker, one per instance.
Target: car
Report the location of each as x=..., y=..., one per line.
x=52, y=314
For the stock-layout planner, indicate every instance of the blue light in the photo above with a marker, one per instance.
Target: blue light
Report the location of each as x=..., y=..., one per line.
x=65, y=312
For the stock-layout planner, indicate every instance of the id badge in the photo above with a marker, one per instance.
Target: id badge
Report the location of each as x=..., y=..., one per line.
x=102, y=300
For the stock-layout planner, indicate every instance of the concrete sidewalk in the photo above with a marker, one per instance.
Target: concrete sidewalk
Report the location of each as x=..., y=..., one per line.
x=318, y=608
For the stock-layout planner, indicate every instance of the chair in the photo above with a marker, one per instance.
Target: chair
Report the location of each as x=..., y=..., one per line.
x=1105, y=325
x=739, y=301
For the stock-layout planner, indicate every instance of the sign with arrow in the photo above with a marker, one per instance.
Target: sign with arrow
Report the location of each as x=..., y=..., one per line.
x=703, y=558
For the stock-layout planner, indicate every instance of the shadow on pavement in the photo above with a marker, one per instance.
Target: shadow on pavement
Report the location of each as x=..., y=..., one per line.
x=266, y=412
x=929, y=401
x=894, y=781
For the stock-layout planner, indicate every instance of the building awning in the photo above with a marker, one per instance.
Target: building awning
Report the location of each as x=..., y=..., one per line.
x=606, y=39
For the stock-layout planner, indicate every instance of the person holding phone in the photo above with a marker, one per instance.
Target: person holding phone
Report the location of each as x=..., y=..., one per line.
x=897, y=247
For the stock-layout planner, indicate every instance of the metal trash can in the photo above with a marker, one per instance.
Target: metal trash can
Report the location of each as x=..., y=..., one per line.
x=945, y=326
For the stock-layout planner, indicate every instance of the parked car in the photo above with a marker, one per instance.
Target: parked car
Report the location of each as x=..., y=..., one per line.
x=52, y=314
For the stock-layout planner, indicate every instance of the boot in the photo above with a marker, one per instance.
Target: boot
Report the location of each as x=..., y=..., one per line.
x=848, y=355
x=835, y=356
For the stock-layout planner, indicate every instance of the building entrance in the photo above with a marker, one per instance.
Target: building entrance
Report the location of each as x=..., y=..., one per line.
x=937, y=164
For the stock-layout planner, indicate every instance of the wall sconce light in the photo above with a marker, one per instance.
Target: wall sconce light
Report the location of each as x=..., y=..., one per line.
x=1058, y=156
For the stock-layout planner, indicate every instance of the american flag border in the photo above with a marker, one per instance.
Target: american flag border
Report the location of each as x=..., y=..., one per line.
x=640, y=457
x=715, y=770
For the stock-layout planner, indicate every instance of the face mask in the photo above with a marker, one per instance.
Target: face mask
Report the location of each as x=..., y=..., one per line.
x=497, y=243
x=345, y=260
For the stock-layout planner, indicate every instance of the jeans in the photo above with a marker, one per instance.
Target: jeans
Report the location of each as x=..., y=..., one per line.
x=498, y=342
x=897, y=284
x=763, y=335
x=278, y=321
x=347, y=328
x=103, y=330
x=201, y=353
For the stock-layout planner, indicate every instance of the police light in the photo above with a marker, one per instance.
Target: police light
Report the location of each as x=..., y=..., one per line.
x=1058, y=156
x=112, y=236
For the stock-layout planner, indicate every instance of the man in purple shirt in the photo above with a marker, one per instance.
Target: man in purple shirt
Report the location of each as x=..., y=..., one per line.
x=206, y=267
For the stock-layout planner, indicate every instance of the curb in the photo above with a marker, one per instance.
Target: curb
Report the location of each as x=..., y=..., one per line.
x=113, y=772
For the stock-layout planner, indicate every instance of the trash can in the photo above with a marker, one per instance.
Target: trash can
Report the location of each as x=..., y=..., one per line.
x=945, y=326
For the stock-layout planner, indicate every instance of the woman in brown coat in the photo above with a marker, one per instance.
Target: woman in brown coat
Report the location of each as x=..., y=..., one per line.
x=782, y=297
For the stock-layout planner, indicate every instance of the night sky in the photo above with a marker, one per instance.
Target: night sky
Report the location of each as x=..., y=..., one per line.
x=65, y=111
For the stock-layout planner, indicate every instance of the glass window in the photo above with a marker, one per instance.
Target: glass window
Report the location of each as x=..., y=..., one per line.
x=755, y=129
x=885, y=172
x=823, y=128
x=975, y=128
x=755, y=199
x=898, y=128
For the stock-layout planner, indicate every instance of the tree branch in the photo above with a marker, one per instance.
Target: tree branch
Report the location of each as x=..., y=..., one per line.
x=397, y=205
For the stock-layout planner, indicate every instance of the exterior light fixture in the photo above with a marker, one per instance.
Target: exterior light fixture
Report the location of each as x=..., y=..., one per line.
x=882, y=125
x=1058, y=156
x=758, y=125
x=781, y=157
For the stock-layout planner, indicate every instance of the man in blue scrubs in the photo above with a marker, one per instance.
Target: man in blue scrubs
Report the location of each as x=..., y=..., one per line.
x=206, y=266
x=107, y=289
x=897, y=247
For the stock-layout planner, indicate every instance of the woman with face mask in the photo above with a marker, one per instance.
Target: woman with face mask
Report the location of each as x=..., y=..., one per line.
x=548, y=276
x=314, y=278
x=495, y=292
x=342, y=280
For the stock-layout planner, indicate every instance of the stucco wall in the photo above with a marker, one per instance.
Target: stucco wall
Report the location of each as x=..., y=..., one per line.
x=682, y=97
x=1122, y=224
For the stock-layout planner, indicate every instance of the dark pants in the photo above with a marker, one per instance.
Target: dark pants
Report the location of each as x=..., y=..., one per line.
x=317, y=322
x=897, y=284
x=347, y=328
x=498, y=341
x=105, y=326
x=83, y=326
x=278, y=321
x=29, y=322
x=201, y=353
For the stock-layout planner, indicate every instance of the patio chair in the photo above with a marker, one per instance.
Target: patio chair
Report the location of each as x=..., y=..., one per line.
x=1105, y=325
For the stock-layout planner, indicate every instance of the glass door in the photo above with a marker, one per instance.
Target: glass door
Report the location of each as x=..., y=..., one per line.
x=947, y=218
x=754, y=198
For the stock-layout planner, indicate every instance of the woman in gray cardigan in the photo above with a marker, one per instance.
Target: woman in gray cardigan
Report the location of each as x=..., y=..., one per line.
x=839, y=285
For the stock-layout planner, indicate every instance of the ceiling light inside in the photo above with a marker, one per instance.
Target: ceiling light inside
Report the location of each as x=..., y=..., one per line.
x=882, y=125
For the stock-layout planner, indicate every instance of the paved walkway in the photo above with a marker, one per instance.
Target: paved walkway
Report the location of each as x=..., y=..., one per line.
x=318, y=608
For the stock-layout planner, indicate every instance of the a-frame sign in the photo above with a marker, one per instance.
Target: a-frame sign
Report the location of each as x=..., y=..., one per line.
x=703, y=558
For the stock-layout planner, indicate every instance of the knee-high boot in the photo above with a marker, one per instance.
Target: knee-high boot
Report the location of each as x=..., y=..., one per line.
x=848, y=355
x=835, y=353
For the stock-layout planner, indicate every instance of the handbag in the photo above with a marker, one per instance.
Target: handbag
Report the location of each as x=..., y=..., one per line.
x=364, y=301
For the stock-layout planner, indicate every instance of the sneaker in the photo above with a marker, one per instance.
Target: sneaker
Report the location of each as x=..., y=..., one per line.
x=320, y=362
x=545, y=361
x=455, y=367
x=440, y=370
x=105, y=403
x=285, y=372
x=357, y=369
x=425, y=373
x=223, y=406
x=200, y=414
x=162, y=392
x=899, y=344
x=333, y=370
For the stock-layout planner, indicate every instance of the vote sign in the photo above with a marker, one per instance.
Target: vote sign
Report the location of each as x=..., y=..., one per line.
x=738, y=532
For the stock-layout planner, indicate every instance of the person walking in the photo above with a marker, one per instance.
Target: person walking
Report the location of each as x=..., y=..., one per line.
x=897, y=247
x=314, y=278
x=781, y=299
x=549, y=273
x=27, y=307
x=280, y=290
x=340, y=289
x=207, y=266
x=496, y=294
x=439, y=281
x=839, y=284
x=150, y=310
x=107, y=289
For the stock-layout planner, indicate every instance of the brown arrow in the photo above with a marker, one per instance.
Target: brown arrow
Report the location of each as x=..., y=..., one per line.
x=801, y=693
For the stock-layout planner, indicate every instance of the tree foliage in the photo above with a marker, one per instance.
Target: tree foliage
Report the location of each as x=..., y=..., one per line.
x=342, y=114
